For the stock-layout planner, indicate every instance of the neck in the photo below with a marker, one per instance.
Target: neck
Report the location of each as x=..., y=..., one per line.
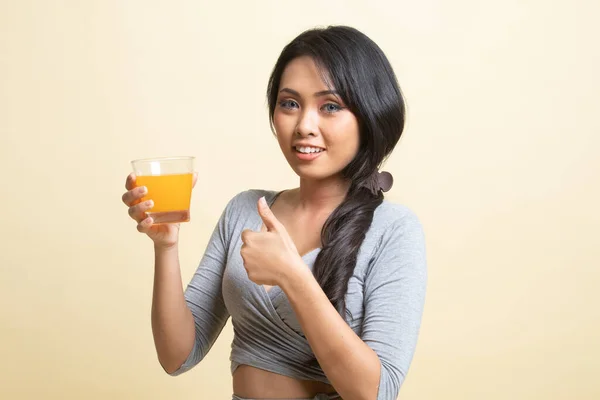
x=321, y=195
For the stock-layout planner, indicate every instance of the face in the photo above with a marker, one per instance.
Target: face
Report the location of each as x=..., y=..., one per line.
x=317, y=134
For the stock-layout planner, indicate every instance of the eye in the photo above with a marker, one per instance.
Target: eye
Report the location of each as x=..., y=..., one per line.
x=331, y=108
x=288, y=104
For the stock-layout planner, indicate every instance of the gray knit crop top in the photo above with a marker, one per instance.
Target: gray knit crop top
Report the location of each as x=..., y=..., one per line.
x=385, y=297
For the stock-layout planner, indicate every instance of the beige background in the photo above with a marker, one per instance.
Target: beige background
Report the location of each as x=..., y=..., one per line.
x=499, y=160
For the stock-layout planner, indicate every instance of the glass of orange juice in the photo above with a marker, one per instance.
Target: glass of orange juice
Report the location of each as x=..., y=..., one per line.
x=169, y=183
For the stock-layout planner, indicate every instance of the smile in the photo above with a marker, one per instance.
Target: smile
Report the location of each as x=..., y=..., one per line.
x=308, y=150
x=305, y=153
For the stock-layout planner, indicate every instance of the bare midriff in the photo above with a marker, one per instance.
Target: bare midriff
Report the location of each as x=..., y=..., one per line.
x=255, y=383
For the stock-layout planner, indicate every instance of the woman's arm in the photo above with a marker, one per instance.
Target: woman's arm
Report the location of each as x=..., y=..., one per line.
x=184, y=333
x=172, y=320
x=351, y=366
x=374, y=365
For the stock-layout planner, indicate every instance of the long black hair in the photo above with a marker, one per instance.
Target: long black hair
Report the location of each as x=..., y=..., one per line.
x=358, y=70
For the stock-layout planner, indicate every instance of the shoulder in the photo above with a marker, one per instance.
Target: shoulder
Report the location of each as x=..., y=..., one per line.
x=251, y=196
x=246, y=201
x=396, y=219
x=398, y=243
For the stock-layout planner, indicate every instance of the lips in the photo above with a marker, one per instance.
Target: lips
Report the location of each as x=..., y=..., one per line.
x=308, y=149
x=307, y=155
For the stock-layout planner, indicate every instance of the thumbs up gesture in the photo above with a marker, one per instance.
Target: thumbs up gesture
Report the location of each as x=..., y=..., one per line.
x=270, y=256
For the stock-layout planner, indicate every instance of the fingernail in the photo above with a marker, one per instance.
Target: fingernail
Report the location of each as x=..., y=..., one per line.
x=263, y=201
x=144, y=190
x=150, y=203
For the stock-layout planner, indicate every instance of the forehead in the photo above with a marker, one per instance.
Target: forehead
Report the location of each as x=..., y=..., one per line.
x=303, y=75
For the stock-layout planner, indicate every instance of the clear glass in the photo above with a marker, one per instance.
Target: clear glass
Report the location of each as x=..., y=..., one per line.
x=169, y=183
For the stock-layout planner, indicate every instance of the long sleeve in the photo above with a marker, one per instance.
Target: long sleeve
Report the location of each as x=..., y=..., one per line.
x=204, y=294
x=394, y=300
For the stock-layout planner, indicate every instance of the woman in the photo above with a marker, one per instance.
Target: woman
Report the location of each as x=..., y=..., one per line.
x=325, y=283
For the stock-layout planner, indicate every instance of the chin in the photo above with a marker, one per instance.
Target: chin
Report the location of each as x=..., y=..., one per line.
x=313, y=174
x=312, y=171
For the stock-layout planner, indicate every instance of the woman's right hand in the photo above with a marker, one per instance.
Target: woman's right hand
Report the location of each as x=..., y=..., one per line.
x=163, y=235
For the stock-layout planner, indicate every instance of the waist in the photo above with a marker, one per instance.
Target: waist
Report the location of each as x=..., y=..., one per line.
x=254, y=383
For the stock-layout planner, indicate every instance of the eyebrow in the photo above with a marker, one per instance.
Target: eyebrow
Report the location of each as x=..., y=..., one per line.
x=317, y=94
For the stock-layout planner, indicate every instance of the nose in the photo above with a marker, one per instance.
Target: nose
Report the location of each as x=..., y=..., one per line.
x=308, y=123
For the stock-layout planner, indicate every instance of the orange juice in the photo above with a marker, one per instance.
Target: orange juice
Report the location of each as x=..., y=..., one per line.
x=171, y=195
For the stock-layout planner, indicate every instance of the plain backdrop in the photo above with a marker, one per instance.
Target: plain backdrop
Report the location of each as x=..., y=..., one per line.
x=499, y=160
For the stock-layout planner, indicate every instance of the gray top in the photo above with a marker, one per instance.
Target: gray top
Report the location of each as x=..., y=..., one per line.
x=385, y=297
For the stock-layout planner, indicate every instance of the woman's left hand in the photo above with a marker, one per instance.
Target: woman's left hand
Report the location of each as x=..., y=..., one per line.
x=269, y=255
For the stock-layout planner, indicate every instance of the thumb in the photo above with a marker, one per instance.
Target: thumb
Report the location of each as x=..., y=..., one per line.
x=269, y=219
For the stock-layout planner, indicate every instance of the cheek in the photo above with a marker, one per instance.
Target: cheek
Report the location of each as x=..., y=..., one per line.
x=345, y=139
x=281, y=123
x=283, y=127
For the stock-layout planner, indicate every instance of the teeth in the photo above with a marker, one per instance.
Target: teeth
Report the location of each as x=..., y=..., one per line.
x=308, y=150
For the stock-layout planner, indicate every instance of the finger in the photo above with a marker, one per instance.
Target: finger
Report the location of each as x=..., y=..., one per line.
x=138, y=212
x=133, y=196
x=130, y=181
x=247, y=236
x=263, y=228
x=194, y=179
x=145, y=225
x=243, y=251
x=267, y=216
